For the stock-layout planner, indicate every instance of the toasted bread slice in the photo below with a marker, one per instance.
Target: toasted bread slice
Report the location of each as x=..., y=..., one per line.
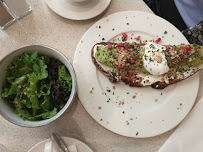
x=139, y=77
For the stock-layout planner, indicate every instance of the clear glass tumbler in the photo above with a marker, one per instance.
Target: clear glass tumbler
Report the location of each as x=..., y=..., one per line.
x=13, y=10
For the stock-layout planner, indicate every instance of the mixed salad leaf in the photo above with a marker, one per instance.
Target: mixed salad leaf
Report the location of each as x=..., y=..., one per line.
x=36, y=86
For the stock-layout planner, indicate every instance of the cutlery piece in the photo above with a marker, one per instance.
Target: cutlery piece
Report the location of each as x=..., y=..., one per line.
x=55, y=138
x=59, y=142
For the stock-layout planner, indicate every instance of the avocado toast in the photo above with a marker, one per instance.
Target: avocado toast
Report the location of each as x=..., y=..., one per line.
x=147, y=64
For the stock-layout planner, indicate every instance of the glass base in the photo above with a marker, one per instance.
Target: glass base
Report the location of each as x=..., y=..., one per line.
x=8, y=24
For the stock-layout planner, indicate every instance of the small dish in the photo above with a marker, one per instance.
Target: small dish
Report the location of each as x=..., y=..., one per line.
x=7, y=111
x=78, y=10
x=68, y=140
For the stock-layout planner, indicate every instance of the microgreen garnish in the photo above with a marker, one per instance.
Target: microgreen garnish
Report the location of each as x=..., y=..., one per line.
x=108, y=90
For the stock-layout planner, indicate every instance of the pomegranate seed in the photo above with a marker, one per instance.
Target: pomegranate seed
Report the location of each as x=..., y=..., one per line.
x=109, y=46
x=188, y=47
x=135, y=59
x=167, y=47
x=158, y=40
x=182, y=44
x=152, y=40
x=130, y=74
x=126, y=43
x=131, y=46
x=196, y=50
x=121, y=66
x=125, y=36
x=119, y=45
x=185, y=50
x=138, y=38
x=178, y=52
x=182, y=57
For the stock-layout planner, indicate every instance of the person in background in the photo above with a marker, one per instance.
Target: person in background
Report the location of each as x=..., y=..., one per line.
x=186, y=15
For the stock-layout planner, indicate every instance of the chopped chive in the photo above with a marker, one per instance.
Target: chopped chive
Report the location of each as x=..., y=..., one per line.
x=108, y=90
x=123, y=39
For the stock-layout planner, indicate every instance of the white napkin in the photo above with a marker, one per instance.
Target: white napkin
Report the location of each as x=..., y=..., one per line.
x=72, y=148
x=188, y=137
x=51, y=146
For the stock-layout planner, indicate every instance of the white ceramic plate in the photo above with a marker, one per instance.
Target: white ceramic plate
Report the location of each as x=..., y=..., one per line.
x=81, y=147
x=78, y=11
x=145, y=112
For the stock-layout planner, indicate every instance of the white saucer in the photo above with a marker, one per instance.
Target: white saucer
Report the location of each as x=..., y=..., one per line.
x=81, y=147
x=78, y=11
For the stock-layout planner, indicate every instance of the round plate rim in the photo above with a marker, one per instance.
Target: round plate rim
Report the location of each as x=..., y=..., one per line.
x=196, y=80
x=64, y=138
x=78, y=19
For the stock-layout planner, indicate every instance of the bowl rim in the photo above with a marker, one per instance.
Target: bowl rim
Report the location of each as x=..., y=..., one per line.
x=74, y=89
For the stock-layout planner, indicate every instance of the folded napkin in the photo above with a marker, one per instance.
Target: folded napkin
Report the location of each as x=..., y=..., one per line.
x=72, y=148
x=188, y=137
x=51, y=146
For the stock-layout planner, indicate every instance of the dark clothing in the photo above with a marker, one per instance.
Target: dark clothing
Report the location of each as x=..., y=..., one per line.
x=167, y=10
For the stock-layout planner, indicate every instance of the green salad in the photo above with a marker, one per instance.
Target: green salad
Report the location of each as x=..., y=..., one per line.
x=36, y=86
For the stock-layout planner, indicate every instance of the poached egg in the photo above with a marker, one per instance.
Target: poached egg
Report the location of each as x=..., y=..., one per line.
x=154, y=59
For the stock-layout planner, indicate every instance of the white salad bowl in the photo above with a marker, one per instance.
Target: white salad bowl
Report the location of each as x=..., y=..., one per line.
x=7, y=111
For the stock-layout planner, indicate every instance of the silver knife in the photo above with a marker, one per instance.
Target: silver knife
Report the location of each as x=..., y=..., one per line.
x=59, y=142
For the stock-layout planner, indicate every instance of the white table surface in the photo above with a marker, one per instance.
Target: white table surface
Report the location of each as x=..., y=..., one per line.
x=43, y=26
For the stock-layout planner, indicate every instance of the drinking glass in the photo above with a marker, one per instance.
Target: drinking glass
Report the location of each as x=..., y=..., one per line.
x=13, y=10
